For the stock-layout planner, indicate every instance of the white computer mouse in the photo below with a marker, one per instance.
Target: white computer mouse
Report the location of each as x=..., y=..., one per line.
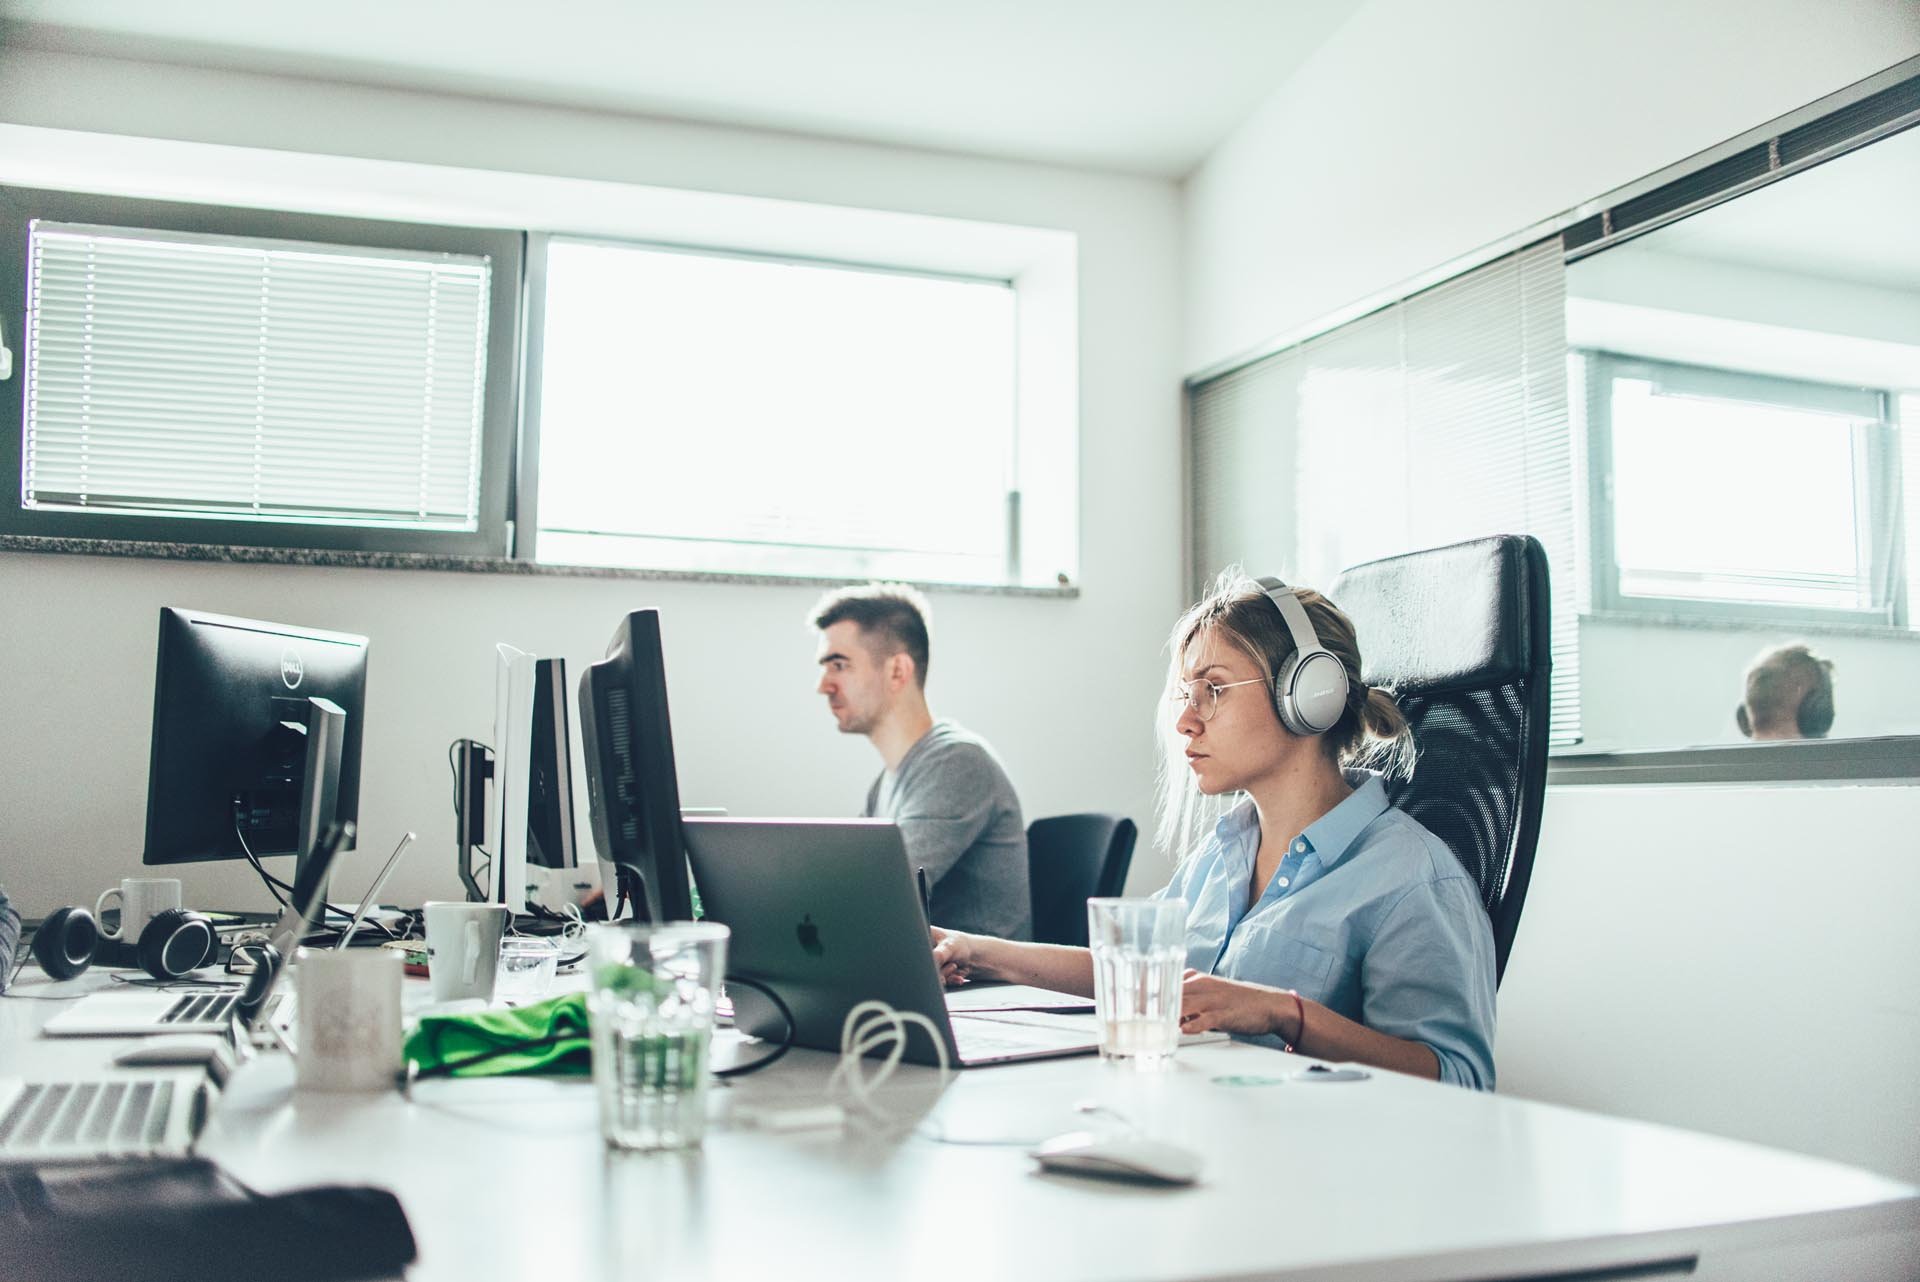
x=1120, y=1157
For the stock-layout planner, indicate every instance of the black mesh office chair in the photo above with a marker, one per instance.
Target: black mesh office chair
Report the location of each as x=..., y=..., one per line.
x=1071, y=859
x=1460, y=635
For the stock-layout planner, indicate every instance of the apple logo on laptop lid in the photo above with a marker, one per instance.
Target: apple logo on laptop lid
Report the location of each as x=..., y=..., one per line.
x=810, y=937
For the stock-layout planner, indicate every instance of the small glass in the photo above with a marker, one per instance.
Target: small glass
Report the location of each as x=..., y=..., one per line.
x=527, y=968
x=651, y=1014
x=1139, y=952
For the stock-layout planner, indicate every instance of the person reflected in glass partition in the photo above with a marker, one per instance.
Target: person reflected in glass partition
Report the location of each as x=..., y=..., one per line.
x=1320, y=918
x=958, y=814
x=1789, y=695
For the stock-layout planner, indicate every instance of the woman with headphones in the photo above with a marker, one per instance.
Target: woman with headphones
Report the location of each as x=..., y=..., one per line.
x=1320, y=919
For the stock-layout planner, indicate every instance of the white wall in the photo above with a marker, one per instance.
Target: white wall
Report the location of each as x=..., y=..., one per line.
x=1677, y=943
x=1649, y=685
x=1063, y=687
x=1735, y=960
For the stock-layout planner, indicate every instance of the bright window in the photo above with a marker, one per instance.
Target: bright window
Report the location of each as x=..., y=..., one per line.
x=1721, y=492
x=732, y=414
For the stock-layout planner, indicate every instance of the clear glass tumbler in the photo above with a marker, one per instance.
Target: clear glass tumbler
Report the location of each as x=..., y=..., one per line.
x=1139, y=952
x=650, y=1011
x=528, y=965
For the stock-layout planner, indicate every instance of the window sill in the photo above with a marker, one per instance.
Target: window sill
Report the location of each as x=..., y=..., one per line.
x=1885, y=759
x=238, y=555
x=1807, y=626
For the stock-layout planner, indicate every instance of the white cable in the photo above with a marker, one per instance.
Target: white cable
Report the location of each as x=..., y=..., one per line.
x=576, y=928
x=871, y=1026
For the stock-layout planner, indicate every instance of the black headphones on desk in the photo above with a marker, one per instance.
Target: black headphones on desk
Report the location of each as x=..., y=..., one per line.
x=174, y=943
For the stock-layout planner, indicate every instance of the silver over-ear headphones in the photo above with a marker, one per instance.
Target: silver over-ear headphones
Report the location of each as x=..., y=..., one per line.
x=1310, y=691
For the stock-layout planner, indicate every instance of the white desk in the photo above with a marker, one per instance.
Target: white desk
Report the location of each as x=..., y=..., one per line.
x=1389, y=1178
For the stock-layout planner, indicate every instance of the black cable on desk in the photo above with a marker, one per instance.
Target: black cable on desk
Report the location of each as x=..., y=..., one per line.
x=786, y=1038
x=170, y=985
x=275, y=886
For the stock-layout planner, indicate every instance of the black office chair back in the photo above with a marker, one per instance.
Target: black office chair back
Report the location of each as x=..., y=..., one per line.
x=1461, y=635
x=1070, y=859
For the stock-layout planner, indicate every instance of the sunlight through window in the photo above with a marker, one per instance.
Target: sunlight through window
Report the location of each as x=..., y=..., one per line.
x=732, y=414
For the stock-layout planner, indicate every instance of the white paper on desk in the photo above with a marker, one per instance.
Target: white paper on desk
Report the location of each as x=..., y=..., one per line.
x=1061, y=1021
x=1014, y=997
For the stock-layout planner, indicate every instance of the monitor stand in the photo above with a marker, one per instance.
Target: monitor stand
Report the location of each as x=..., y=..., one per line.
x=326, y=732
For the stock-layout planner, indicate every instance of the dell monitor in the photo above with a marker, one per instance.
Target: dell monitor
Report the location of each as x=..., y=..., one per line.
x=633, y=792
x=256, y=738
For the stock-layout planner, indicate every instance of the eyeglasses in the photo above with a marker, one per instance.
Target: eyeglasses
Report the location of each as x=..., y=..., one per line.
x=1203, y=696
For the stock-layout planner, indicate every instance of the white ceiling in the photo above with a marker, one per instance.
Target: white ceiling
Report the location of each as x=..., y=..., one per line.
x=1136, y=86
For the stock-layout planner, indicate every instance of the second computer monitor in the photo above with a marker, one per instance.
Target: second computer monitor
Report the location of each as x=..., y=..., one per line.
x=550, y=841
x=633, y=790
x=256, y=736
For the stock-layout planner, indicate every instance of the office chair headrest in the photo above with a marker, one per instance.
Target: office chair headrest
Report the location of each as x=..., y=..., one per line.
x=1431, y=620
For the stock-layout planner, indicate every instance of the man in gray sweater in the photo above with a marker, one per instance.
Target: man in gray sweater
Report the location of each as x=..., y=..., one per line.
x=957, y=811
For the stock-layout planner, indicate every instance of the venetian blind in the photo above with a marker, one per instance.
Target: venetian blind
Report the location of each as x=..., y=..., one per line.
x=176, y=374
x=1437, y=419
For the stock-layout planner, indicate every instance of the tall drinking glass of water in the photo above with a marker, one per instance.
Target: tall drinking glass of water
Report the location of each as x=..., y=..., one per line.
x=1139, y=951
x=650, y=1012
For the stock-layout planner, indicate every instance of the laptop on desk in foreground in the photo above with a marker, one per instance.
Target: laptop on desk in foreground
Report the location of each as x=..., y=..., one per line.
x=142, y=1009
x=825, y=913
x=121, y=1115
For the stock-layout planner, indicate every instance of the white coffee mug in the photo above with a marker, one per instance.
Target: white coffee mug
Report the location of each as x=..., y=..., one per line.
x=463, y=949
x=141, y=900
x=347, y=1009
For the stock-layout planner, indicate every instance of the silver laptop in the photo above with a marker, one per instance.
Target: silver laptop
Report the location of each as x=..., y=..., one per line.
x=825, y=913
x=138, y=1010
x=102, y=1118
x=115, y=1116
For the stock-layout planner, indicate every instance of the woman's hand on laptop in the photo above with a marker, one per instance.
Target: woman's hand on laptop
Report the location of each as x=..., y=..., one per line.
x=963, y=958
x=953, y=952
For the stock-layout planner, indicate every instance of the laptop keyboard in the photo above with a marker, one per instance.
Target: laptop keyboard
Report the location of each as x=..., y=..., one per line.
x=982, y=1039
x=65, y=1119
x=201, y=1008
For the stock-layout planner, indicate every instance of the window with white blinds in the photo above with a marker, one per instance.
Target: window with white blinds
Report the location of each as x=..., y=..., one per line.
x=1434, y=420
x=175, y=374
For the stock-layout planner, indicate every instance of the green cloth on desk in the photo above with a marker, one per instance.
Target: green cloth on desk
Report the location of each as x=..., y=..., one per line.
x=555, y=1033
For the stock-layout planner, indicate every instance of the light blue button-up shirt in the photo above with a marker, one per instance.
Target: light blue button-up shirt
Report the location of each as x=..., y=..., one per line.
x=1369, y=914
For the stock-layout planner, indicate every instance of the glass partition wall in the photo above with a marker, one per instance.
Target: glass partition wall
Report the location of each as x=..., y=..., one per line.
x=1701, y=393
x=1747, y=408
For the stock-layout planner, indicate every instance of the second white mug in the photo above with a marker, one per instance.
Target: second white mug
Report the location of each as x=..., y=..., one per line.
x=141, y=900
x=463, y=948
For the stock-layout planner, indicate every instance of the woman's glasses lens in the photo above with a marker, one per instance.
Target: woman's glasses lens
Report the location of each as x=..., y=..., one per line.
x=1198, y=695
